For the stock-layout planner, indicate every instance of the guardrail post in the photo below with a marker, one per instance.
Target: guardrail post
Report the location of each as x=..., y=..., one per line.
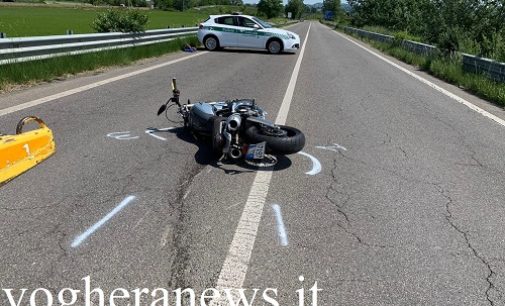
x=3, y=35
x=70, y=32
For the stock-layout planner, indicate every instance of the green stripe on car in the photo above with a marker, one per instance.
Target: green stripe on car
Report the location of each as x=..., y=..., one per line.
x=246, y=32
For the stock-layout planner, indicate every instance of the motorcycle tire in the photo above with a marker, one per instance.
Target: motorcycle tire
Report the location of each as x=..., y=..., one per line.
x=217, y=138
x=292, y=143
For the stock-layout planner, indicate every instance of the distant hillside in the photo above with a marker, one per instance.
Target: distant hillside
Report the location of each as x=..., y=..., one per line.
x=319, y=6
x=346, y=7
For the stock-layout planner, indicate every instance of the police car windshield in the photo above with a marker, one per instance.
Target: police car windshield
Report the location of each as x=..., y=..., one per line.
x=263, y=23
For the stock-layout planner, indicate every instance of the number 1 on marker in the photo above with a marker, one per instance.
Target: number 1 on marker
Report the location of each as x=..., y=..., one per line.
x=27, y=149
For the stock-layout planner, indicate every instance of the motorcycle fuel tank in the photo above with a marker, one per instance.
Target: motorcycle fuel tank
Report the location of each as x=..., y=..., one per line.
x=200, y=116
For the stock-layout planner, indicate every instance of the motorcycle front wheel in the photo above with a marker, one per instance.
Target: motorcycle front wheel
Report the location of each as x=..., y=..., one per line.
x=289, y=141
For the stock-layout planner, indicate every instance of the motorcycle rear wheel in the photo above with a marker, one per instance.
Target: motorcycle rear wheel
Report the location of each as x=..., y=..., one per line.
x=292, y=142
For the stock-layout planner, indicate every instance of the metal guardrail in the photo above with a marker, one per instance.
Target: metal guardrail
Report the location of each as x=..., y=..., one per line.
x=492, y=69
x=23, y=49
x=371, y=35
x=419, y=48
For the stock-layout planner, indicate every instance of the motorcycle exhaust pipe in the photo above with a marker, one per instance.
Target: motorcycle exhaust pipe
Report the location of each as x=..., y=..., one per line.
x=235, y=153
x=233, y=122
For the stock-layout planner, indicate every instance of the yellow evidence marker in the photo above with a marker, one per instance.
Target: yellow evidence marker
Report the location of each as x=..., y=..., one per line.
x=23, y=151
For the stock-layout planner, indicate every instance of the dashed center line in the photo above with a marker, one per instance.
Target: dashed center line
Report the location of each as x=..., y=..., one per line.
x=235, y=266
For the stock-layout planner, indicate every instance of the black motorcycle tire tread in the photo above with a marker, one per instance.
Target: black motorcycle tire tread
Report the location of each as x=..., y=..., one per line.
x=279, y=145
x=217, y=139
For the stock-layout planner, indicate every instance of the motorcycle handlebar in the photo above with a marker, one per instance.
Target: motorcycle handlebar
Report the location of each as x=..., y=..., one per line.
x=174, y=83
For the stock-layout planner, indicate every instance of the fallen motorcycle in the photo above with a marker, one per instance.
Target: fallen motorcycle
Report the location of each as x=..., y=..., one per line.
x=238, y=129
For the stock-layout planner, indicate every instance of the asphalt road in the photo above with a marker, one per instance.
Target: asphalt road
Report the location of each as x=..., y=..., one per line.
x=407, y=209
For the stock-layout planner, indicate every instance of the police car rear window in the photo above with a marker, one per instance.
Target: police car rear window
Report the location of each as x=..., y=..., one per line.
x=225, y=20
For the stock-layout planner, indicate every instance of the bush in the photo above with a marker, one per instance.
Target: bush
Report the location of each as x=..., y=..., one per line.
x=120, y=21
x=448, y=42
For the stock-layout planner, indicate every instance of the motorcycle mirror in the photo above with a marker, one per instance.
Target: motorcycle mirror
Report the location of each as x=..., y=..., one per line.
x=189, y=101
x=162, y=109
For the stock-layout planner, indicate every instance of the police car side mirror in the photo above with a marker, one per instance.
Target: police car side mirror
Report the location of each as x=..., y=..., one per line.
x=256, y=27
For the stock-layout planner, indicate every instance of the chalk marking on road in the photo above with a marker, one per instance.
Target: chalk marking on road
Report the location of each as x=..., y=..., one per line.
x=151, y=131
x=340, y=147
x=430, y=84
x=164, y=236
x=327, y=148
x=281, y=230
x=79, y=239
x=69, y=92
x=334, y=148
x=186, y=194
x=316, y=165
x=122, y=135
x=235, y=266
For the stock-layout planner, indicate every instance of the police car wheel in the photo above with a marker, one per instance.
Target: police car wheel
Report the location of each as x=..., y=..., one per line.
x=274, y=47
x=211, y=43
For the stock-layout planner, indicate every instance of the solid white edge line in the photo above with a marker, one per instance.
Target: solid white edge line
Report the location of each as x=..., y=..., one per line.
x=235, y=266
x=69, y=92
x=429, y=83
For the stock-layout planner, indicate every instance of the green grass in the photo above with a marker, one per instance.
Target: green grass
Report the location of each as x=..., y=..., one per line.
x=447, y=69
x=28, y=20
x=33, y=21
x=49, y=69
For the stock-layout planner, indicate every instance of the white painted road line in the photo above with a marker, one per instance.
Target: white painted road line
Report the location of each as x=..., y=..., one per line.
x=429, y=83
x=282, y=115
x=235, y=266
x=316, y=165
x=79, y=239
x=281, y=230
x=92, y=85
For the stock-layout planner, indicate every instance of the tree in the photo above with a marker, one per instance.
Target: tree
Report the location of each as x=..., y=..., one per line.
x=164, y=4
x=270, y=8
x=334, y=7
x=296, y=7
x=120, y=21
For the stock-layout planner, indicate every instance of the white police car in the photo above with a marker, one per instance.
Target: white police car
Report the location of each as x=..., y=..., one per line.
x=243, y=31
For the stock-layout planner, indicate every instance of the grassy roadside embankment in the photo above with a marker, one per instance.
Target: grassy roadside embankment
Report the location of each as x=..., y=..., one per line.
x=35, y=20
x=50, y=69
x=447, y=68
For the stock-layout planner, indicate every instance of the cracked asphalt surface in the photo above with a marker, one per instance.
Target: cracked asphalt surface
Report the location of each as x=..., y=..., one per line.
x=409, y=213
